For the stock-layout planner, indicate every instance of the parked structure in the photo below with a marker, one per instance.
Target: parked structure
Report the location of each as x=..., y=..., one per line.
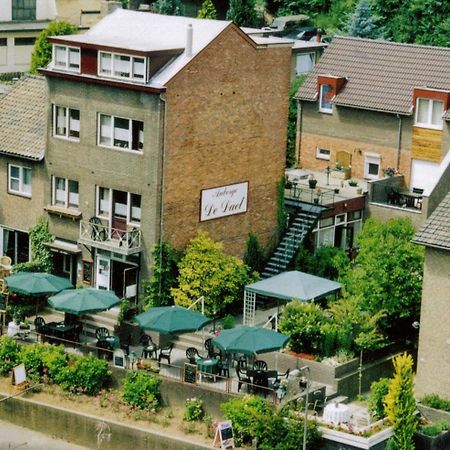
x=433, y=363
x=150, y=136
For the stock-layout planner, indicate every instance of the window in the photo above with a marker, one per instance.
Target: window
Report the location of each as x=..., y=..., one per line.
x=19, y=180
x=125, y=206
x=326, y=94
x=304, y=63
x=66, y=58
x=3, y=42
x=65, y=193
x=122, y=66
x=66, y=122
x=429, y=113
x=323, y=153
x=23, y=9
x=371, y=166
x=15, y=244
x=24, y=41
x=117, y=132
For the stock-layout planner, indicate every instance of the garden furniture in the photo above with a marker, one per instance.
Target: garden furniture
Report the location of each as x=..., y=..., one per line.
x=192, y=355
x=165, y=352
x=209, y=346
x=260, y=365
x=243, y=378
x=149, y=349
x=208, y=367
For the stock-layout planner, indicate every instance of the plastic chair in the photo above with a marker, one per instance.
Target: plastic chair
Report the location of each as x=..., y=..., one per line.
x=243, y=378
x=209, y=346
x=149, y=348
x=192, y=355
x=165, y=353
x=98, y=233
x=101, y=333
x=39, y=324
x=224, y=368
x=259, y=365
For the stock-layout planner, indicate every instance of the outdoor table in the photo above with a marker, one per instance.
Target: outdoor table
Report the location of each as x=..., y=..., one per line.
x=336, y=413
x=259, y=379
x=113, y=342
x=208, y=366
x=60, y=330
x=13, y=329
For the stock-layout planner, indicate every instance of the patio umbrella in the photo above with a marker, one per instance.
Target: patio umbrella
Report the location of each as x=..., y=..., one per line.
x=36, y=283
x=250, y=340
x=83, y=301
x=171, y=319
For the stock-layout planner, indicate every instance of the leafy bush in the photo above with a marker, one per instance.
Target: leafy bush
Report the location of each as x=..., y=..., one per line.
x=378, y=391
x=32, y=357
x=141, y=389
x=434, y=401
x=435, y=429
x=9, y=354
x=54, y=359
x=193, y=410
x=228, y=322
x=302, y=322
x=254, y=254
x=86, y=375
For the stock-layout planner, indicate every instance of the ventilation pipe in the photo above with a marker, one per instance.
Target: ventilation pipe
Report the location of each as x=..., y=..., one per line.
x=189, y=39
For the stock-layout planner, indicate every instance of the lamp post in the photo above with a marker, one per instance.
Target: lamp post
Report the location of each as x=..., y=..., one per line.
x=305, y=419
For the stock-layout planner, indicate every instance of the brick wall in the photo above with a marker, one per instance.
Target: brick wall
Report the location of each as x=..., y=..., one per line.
x=226, y=123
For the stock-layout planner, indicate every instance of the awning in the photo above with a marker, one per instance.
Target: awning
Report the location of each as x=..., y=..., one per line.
x=65, y=247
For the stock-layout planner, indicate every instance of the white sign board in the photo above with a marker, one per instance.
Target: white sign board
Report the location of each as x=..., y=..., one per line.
x=223, y=201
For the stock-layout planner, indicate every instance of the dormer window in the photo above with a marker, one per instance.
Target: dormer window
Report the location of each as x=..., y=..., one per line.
x=66, y=58
x=429, y=113
x=326, y=94
x=122, y=66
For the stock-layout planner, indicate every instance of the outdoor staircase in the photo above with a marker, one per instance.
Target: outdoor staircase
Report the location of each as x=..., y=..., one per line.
x=304, y=221
x=196, y=339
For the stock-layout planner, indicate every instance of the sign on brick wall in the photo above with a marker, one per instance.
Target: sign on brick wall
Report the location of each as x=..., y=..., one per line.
x=223, y=201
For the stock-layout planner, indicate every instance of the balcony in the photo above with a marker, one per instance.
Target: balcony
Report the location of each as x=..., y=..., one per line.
x=125, y=242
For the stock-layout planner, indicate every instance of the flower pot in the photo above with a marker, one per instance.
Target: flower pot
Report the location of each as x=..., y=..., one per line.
x=312, y=183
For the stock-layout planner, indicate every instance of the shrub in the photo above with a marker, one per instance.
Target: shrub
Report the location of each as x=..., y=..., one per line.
x=378, y=391
x=193, y=410
x=32, y=357
x=9, y=354
x=434, y=401
x=141, y=389
x=254, y=254
x=228, y=322
x=86, y=375
x=54, y=360
x=436, y=428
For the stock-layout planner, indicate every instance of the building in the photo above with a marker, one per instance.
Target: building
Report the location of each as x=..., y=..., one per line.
x=378, y=108
x=433, y=363
x=160, y=126
x=22, y=169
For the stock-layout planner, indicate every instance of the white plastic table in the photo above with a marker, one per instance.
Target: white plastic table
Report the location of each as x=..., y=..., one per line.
x=336, y=413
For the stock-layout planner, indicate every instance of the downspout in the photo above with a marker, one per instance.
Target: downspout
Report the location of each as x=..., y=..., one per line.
x=161, y=195
x=298, y=132
x=399, y=141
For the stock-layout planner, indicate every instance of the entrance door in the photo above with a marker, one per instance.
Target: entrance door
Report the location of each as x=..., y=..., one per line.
x=65, y=266
x=124, y=280
x=103, y=273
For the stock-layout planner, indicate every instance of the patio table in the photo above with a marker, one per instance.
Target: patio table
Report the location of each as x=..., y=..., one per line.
x=208, y=366
x=60, y=330
x=336, y=413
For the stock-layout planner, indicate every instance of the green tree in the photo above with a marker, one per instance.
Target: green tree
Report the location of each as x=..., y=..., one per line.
x=362, y=22
x=292, y=122
x=42, y=52
x=400, y=404
x=388, y=273
x=207, y=11
x=207, y=271
x=254, y=254
x=169, y=7
x=242, y=13
x=165, y=274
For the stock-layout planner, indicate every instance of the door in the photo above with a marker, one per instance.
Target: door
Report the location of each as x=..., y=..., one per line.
x=124, y=279
x=119, y=215
x=103, y=273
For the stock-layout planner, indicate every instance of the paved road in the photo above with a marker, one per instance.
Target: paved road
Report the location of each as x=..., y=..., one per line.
x=13, y=437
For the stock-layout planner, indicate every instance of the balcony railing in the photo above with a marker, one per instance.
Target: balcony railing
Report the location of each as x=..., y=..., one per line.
x=95, y=234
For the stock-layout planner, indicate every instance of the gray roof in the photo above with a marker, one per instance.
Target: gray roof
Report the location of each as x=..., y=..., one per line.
x=294, y=285
x=435, y=232
x=380, y=75
x=23, y=119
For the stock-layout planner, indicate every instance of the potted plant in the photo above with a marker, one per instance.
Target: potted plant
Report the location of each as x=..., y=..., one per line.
x=352, y=183
x=312, y=181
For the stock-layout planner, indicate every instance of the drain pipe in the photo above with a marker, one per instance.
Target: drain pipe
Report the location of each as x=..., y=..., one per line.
x=298, y=132
x=399, y=141
x=161, y=196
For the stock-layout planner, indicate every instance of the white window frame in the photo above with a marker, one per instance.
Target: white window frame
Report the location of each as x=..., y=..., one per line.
x=67, y=194
x=20, y=179
x=371, y=158
x=111, y=73
x=321, y=155
x=68, y=61
x=321, y=94
x=108, y=217
x=298, y=62
x=428, y=123
x=111, y=136
x=70, y=125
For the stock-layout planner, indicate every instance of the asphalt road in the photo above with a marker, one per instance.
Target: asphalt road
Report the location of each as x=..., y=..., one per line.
x=13, y=437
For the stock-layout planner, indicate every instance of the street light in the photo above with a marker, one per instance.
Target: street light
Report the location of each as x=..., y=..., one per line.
x=305, y=419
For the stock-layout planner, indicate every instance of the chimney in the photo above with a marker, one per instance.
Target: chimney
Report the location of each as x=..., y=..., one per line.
x=319, y=35
x=189, y=39
x=108, y=6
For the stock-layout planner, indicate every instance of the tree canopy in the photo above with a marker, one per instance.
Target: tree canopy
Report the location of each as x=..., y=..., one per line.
x=362, y=22
x=207, y=11
x=242, y=13
x=169, y=7
x=42, y=52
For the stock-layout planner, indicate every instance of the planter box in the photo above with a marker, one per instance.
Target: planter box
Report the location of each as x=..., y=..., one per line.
x=440, y=442
x=341, y=174
x=432, y=414
x=349, y=441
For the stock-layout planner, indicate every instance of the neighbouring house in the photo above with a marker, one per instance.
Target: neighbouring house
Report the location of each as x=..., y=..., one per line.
x=158, y=127
x=380, y=110
x=433, y=362
x=22, y=169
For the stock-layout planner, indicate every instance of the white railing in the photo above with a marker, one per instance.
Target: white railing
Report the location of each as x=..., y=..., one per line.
x=96, y=234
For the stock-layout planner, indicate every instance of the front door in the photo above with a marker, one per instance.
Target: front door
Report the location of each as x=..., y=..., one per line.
x=124, y=279
x=103, y=273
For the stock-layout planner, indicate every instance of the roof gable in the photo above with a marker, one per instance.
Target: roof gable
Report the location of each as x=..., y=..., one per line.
x=381, y=75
